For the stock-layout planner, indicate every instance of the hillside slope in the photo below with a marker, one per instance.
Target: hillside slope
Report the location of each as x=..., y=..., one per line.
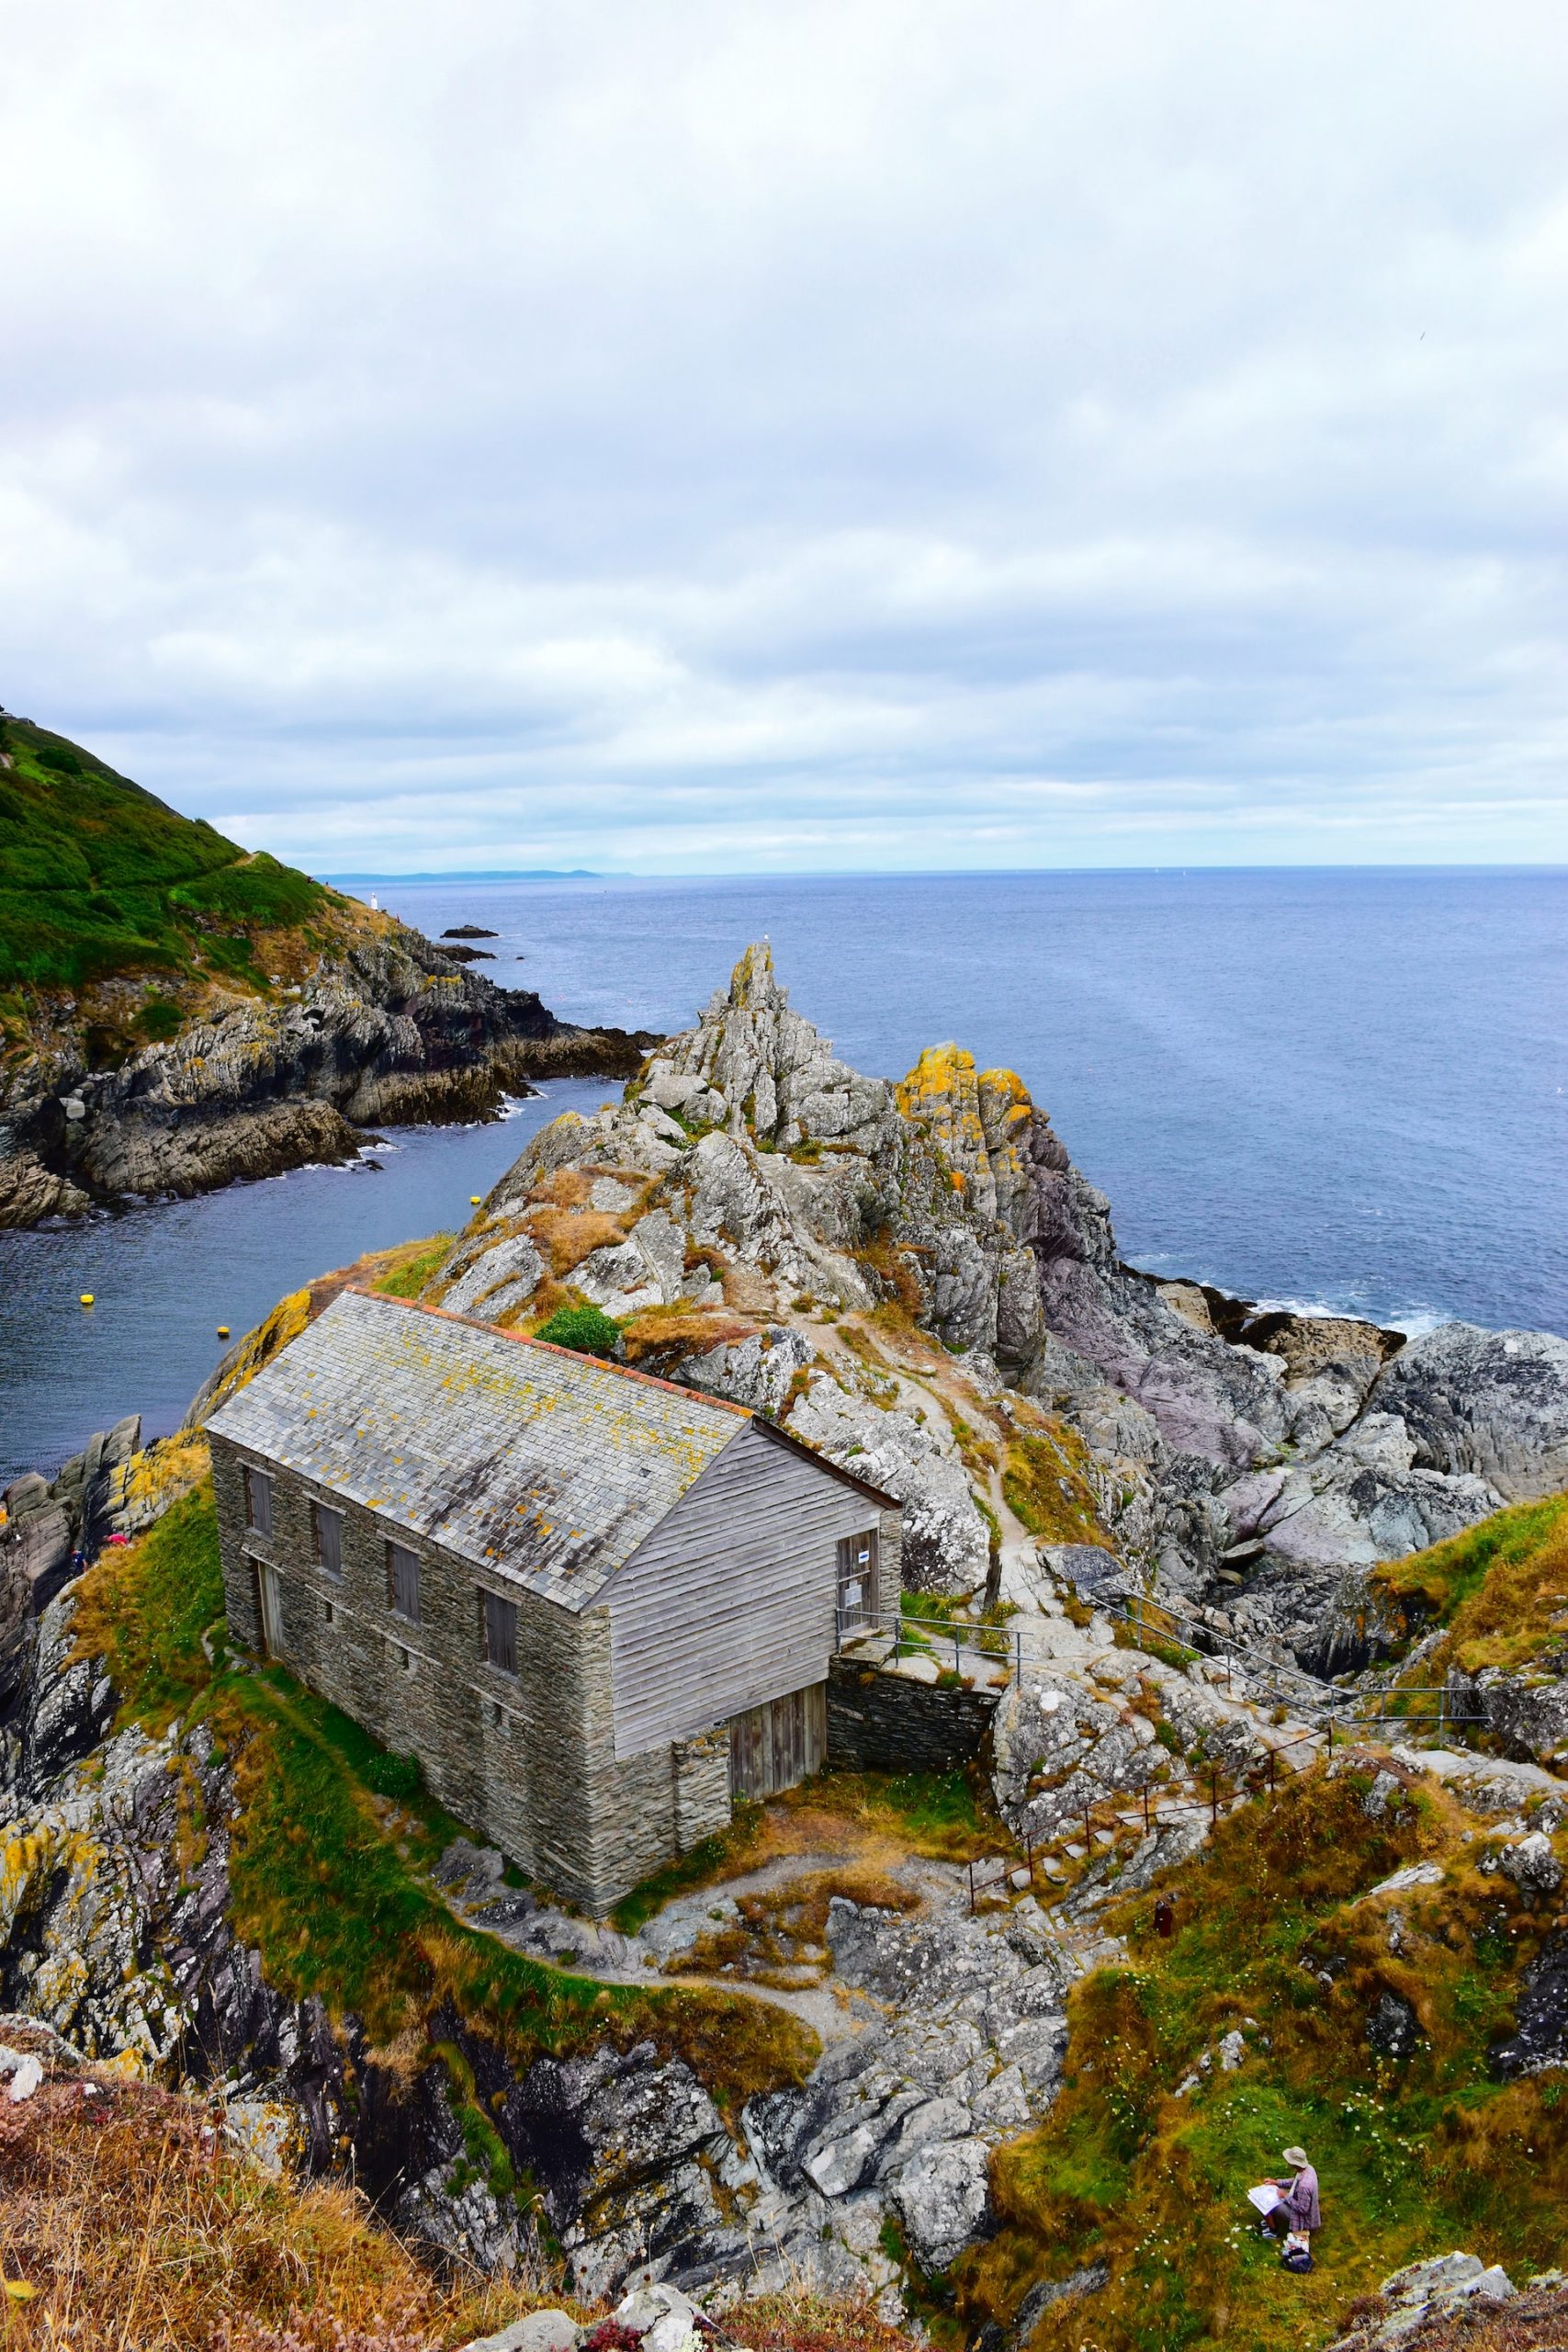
x=176, y=1011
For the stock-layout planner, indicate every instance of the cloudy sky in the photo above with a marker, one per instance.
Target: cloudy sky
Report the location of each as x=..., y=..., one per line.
x=680, y=436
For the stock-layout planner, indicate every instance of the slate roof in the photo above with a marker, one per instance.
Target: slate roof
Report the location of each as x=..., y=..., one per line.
x=548, y=1465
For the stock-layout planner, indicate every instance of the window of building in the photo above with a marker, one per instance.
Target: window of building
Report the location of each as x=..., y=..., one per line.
x=326, y=1532
x=403, y=1581
x=497, y=1624
x=258, y=1500
x=329, y=1613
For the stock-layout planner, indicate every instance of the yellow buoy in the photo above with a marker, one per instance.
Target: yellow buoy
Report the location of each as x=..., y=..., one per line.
x=474, y=1200
x=86, y=1298
x=222, y=1330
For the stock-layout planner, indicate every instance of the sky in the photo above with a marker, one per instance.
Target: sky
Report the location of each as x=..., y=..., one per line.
x=665, y=436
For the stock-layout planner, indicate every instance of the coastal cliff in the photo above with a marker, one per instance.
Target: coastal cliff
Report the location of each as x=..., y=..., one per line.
x=175, y=1013
x=811, y=2052
x=915, y=1276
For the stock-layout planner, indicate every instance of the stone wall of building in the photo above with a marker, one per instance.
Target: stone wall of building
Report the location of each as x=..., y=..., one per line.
x=881, y=1721
x=527, y=1759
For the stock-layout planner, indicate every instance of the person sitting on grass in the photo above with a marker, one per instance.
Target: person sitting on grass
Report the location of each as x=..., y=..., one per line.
x=1298, y=2213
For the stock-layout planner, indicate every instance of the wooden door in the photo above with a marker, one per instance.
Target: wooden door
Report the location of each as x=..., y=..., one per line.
x=269, y=1607
x=857, y=1583
x=774, y=1745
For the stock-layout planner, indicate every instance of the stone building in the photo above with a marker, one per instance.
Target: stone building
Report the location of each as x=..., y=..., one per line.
x=595, y=1606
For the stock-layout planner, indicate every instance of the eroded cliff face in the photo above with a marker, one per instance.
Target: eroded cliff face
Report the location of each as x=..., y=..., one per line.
x=373, y=1024
x=773, y=1224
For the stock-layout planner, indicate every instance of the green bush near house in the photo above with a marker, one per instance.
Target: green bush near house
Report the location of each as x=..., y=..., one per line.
x=588, y=1329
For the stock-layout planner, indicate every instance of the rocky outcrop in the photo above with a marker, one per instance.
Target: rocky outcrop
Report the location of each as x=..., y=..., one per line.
x=1523, y=1708
x=1263, y=1462
x=904, y=2115
x=1490, y=1403
x=385, y=1028
x=1419, y=2300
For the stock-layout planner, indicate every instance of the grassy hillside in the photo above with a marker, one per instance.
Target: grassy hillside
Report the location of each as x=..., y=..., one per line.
x=97, y=876
x=1500, y=1588
x=1145, y=2162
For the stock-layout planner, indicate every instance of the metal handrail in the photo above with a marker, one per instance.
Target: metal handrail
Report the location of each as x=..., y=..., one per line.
x=1006, y=1645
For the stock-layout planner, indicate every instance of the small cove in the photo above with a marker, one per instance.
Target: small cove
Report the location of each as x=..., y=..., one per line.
x=165, y=1274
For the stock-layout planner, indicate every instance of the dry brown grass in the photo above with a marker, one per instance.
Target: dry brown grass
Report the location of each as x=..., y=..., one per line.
x=810, y=2323
x=567, y=1235
x=563, y=1188
x=875, y=1820
x=664, y=1334
x=135, y=2227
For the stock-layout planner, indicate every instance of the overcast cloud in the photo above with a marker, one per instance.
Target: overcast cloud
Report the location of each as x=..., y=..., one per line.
x=693, y=437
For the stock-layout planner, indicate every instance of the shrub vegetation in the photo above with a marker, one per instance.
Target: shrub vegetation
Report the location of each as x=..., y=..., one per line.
x=1501, y=1588
x=588, y=1329
x=1275, y=1935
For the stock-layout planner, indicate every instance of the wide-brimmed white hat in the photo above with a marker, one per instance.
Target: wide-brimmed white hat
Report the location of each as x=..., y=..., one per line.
x=1297, y=2156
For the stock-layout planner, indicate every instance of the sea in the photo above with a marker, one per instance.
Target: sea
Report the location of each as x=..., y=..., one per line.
x=1339, y=1090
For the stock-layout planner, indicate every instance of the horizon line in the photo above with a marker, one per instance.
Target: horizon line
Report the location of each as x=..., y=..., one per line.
x=342, y=879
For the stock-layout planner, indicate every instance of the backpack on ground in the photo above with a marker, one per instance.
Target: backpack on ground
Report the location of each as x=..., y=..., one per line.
x=1296, y=2258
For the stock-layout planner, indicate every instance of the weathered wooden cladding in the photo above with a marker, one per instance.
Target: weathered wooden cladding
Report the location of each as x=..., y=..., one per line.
x=731, y=1600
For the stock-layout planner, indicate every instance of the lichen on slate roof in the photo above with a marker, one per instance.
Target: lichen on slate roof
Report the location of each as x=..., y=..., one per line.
x=548, y=1466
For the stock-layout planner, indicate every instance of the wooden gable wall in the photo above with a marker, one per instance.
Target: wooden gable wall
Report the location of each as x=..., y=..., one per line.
x=730, y=1600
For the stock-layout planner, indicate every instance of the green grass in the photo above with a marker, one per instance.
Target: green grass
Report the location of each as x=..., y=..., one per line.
x=99, y=877
x=146, y=1608
x=932, y=1805
x=409, y=1278
x=1501, y=1588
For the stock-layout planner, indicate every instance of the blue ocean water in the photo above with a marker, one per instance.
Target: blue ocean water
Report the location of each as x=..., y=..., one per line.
x=1340, y=1088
